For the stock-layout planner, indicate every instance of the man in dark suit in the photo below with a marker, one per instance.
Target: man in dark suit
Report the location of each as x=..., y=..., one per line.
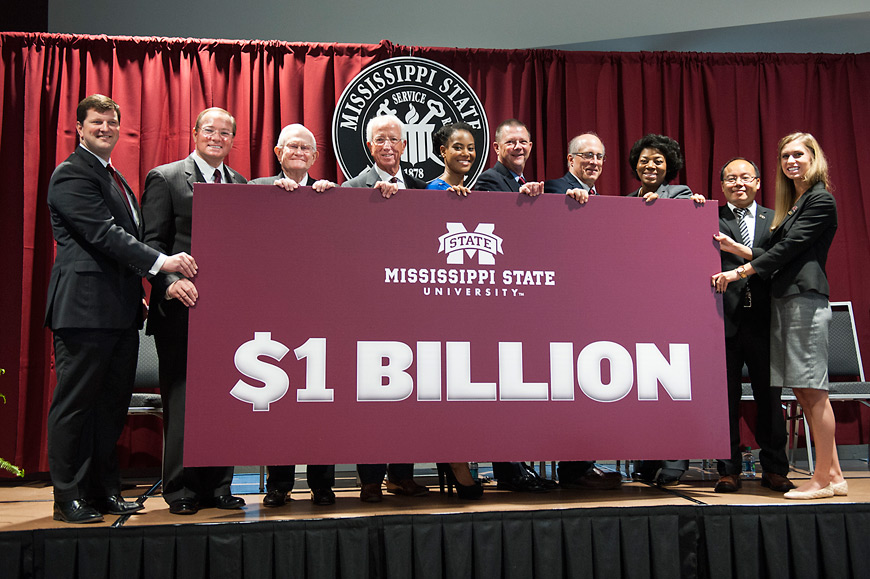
x=747, y=333
x=95, y=307
x=297, y=151
x=513, y=144
x=385, y=138
x=585, y=164
x=167, y=205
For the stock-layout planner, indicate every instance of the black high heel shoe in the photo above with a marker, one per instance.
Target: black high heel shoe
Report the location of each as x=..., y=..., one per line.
x=448, y=479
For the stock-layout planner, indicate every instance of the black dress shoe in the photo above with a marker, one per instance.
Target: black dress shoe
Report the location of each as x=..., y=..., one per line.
x=323, y=497
x=222, y=502
x=185, y=506
x=668, y=477
x=76, y=511
x=115, y=505
x=523, y=483
x=594, y=479
x=275, y=498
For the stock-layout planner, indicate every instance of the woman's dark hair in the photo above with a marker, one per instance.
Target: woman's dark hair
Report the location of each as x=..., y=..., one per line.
x=666, y=146
x=442, y=135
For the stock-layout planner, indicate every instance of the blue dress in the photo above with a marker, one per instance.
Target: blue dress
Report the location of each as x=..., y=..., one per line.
x=438, y=184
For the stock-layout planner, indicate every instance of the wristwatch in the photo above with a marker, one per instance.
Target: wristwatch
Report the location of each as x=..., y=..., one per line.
x=741, y=271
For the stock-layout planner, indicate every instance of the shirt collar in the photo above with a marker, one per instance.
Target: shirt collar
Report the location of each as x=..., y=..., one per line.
x=206, y=169
x=102, y=161
x=752, y=208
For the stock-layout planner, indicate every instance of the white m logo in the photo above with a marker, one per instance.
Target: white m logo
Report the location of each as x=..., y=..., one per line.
x=458, y=241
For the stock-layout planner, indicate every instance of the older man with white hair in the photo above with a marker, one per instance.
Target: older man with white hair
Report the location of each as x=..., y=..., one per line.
x=296, y=152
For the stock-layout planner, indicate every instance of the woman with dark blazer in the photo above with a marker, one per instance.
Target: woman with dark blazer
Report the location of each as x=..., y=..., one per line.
x=794, y=260
x=656, y=160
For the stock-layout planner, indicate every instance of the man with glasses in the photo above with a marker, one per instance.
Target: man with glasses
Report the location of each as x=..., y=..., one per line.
x=513, y=144
x=167, y=206
x=296, y=152
x=385, y=138
x=747, y=333
x=585, y=163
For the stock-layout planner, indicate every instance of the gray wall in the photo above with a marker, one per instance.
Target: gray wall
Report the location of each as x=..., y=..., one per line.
x=683, y=25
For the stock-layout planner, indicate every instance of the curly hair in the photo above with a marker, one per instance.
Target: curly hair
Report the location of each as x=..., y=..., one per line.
x=664, y=145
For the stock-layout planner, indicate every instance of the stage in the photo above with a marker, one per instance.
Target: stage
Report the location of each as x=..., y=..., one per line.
x=636, y=531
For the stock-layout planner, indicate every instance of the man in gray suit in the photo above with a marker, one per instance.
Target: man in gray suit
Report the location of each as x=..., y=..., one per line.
x=296, y=151
x=385, y=138
x=167, y=204
x=95, y=307
x=747, y=333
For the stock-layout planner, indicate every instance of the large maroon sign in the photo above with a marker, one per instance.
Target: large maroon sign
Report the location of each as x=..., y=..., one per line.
x=347, y=328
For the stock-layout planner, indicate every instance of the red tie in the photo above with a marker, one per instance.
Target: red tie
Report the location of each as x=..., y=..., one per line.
x=521, y=180
x=117, y=179
x=593, y=191
x=217, y=176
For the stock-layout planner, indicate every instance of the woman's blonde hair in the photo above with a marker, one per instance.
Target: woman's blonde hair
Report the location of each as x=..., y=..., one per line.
x=786, y=194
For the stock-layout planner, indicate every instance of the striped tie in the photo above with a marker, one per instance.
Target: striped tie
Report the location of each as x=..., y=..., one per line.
x=744, y=228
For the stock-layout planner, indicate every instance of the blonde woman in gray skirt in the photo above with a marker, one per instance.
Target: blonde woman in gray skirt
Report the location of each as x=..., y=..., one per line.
x=794, y=260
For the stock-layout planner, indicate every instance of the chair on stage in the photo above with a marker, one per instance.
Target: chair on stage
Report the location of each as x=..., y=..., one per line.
x=144, y=401
x=845, y=372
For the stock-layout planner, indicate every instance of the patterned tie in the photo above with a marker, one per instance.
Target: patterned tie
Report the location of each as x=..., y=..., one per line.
x=123, y=191
x=394, y=179
x=217, y=176
x=592, y=191
x=744, y=228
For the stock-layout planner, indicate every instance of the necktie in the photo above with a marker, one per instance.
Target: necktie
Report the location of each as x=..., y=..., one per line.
x=521, y=180
x=744, y=228
x=217, y=176
x=592, y=191
x=123, y=191
x=394, y=180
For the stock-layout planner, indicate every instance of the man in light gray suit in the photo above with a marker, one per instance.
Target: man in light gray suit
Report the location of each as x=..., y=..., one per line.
x=167, y=206
x=385, y=138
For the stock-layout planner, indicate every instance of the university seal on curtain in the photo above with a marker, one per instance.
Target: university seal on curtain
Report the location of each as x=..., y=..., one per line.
x=425, y=95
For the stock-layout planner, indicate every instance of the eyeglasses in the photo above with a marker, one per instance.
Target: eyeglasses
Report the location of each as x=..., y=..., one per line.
x=295, y=148
x=209, y=131
x=732, y=180
x=589, y=156
x=381, y=141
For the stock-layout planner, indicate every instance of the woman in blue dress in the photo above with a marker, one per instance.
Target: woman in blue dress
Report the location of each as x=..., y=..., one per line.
x=455, y=145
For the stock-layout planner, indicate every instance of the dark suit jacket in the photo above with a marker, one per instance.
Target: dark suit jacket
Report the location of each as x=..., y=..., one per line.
x=369, y=177
x=666, y=191
x=96, y=278
x=795, y=259
x=499, y=178
x=167, y=205
x=733, y=299
x=561, y=185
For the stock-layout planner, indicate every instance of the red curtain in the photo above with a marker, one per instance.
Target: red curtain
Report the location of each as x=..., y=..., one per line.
x=716, y=105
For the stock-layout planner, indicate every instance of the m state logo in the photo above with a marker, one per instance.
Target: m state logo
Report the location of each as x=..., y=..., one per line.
x=458, y=241
x=425, y=95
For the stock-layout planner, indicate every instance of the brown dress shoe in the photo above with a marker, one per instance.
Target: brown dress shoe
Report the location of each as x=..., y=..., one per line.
x=728, y=483
x=371, y=493
x=776, y=482
x=407, y=487
x=594, y=479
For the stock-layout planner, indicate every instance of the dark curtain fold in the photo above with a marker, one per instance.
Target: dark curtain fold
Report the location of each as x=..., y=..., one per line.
x=717, y=105
x=713, y=542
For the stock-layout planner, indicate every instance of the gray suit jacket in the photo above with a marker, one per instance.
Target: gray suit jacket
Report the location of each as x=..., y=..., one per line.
x=96, y=279
x=666, y=191
x=369, y=177
x=167, y=206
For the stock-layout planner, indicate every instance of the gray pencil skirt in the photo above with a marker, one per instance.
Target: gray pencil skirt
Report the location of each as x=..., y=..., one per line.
x=799, y=341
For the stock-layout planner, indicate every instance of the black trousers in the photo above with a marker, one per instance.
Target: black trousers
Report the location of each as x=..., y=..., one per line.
x=95, y=373
x=179, y=482
x=751, y=345
x=374, y=473
x=282, y=478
